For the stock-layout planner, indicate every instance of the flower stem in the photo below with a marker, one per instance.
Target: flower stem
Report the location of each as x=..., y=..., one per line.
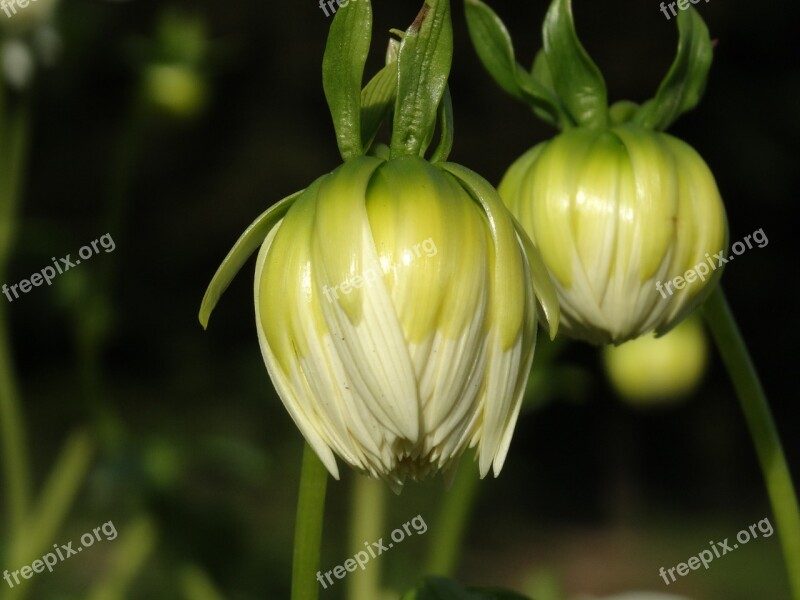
x=308, y=527
x=14, y=125
x=12, y=432
x=452, y=520
x=762, y=429
x=366, y=523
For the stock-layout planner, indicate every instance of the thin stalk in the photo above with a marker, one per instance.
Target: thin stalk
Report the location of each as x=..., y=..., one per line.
x=762, y=430
x=12, y=431
x=452, y=520
x=366, y=523
x=14, y=132
x=308, y=527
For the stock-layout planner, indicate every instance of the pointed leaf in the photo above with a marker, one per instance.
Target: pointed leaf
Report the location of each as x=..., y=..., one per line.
x=576, y=79
x=244, y=247
x=56, y=499
x=493, y=44
x=343, y=72
x=424, y=60
x=496, y=52
x=683, y=87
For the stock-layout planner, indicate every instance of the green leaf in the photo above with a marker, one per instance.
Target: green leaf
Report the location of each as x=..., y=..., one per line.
x=56, y=499
x=377, y=99
x=683, y=87
x=493, y=44
x=424, y=60
x=441, y=588
x=129, y=558
x=496, y=51
x=576, y=79
x=343, y=72
x=244, y=247
x=447, y=128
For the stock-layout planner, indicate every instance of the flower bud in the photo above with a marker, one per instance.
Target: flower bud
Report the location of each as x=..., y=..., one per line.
x=617, y=213
x=651, y=370
x=396, y=316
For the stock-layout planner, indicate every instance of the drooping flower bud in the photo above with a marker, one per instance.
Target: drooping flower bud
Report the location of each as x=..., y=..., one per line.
x=396, y=297
x=617, y=213
x=396, y=316
x=617, y=208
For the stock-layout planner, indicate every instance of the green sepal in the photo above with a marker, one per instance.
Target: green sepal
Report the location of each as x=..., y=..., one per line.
x=622, y=112
x=543, y=287
x=576, y=78
x=446, y=127
x=496, y=52
x=683, y=87
x=378, y=97
x=441, y=588
x=423, y=63
x=343, y=73
x=244, y=247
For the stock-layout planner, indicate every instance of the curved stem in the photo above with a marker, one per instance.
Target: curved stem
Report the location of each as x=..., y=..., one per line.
x=366, y=523
x=762, y=430
x=308, y=527
x=452, y=520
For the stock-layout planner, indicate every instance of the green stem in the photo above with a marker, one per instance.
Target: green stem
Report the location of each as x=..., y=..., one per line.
x=452, y=520
x=12, y=430
x=14, y=125
x=762, y=429
x=308, y=527
x=366, y=524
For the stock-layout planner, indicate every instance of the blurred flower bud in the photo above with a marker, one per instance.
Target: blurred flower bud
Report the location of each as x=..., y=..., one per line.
x=173, y=81
x=175, y=89
x=650, y=370
x=28, y=38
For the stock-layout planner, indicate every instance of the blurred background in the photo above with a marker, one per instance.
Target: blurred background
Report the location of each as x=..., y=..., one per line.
x=171, y=126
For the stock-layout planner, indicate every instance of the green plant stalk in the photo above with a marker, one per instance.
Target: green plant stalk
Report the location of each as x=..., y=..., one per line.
x=12, y=430
x=366, y=523
x=762, y=429
x=452, y=520
x=308, y=527
x=14, y=133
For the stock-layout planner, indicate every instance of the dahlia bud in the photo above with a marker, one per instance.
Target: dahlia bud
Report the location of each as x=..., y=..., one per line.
x=396, y=297
x=617, y=208
x=397, y=319
x=616, y=212
x=650, y=371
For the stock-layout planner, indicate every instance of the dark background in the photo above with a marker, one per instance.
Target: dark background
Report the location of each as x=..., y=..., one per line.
x=595, y=493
